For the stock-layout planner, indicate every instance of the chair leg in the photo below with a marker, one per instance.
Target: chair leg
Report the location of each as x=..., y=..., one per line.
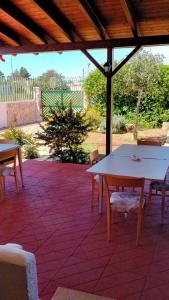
x=139, y=227
x=4, y=182
x=162, y=206
x=1, y=188
x=149, y=196
x=108, y=224
x=93, y=190
x=143, y=218
x=16, y=181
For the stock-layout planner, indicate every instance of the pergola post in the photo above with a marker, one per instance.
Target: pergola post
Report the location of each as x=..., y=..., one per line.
x=109, y=104
x=109, y=74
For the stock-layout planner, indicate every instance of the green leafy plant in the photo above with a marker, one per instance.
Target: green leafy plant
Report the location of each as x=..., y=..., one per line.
x=95, y=89
x=30, y=151
x=64, y=132
x=76, y=155
x=118, y=124
x=18, y=135
x=102, y=127
x=140, y=90
x=93, y=117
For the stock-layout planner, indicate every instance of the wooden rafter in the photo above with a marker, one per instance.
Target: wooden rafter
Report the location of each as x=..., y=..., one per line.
x=129, y=13
x=90, y=12
x=10, y=34
x=125, y=60
x=9, y=8
x=66, y=26
x=116, y=43
x=90, y=57
x=58, y=17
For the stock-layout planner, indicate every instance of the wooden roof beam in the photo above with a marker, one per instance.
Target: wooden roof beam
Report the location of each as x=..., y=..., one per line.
x=129, y=13
x=125, y=60
x=58, y=17
x=9, y=8
x=10, y=34
x=91, y=14
x=116, y=43
x=66, y=27
x=91, y=58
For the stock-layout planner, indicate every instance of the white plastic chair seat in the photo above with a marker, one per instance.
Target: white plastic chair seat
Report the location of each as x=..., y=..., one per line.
x=124, y=201
x=6, y=171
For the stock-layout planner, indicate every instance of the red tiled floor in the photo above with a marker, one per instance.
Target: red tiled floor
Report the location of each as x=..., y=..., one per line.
x=52, y=218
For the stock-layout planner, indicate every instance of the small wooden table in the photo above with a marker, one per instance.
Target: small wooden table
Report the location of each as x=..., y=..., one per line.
x=5, y=147
x=69, y=294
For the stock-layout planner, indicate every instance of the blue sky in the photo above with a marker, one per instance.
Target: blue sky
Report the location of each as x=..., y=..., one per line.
x=70, y=63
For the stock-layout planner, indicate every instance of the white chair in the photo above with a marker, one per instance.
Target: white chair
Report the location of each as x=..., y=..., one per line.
x=18, y=275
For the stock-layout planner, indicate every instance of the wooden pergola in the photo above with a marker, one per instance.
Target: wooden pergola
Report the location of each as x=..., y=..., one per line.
x=35, y=26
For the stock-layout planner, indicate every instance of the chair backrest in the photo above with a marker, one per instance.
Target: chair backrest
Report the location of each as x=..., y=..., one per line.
x=149, y=142
x=18, y=275
x=94, y=157
x=122, y=181
x=9, y=155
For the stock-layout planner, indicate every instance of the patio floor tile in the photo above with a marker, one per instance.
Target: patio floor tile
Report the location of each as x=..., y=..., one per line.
x=52, y=218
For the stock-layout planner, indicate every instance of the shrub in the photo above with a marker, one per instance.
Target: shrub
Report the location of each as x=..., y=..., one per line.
x=30, y=151
x=93, y=117
x=77, y=155
x=18, y=135
x=64, y=132
x=102, y=127
x=118, y=124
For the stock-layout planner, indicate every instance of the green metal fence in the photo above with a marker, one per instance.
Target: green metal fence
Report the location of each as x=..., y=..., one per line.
x=65, y=92
x=54, y=91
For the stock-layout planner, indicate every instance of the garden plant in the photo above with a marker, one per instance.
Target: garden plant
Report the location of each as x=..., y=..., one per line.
x=64, y=132
x=140, y=91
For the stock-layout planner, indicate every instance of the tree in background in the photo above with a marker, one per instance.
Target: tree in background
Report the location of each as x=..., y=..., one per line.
x=52, y=79
x=15, y=74
x=1, y=75
x=142, y=75
x=145, y=72
x=95, y=89
x=22, y=73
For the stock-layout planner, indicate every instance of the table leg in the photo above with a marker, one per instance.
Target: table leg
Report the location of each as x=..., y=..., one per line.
x=100, y=194
x=20, y=164
x=162, y=206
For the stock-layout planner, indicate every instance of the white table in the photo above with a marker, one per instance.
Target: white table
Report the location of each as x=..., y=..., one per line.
x=5, y=147
x=153, y=164
x=142, y=151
